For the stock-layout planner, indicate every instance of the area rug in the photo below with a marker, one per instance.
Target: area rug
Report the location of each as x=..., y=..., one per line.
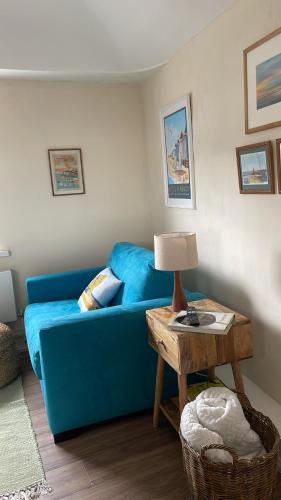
x=22, y=475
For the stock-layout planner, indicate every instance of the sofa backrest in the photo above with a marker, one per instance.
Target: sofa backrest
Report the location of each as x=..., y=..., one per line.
x=134, y=266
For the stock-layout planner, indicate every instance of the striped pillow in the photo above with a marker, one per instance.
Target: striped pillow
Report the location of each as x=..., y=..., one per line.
x=100, y=291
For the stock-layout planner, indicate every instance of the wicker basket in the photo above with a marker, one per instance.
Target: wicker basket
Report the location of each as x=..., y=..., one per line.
x=9, y=368
x=241, y=480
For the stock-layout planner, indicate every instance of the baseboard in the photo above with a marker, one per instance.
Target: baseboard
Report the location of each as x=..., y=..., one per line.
x=259, y=399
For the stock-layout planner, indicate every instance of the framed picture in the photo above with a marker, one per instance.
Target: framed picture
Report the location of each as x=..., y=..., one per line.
x=178, y=154
x=262, y=83
x=255, y=168
x=66, y=171
x=278, y=156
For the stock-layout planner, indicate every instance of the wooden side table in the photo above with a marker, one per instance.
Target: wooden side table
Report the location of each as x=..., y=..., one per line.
x=189, y=353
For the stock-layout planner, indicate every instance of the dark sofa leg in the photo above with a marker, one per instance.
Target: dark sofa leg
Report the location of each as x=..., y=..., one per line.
x=64, y=436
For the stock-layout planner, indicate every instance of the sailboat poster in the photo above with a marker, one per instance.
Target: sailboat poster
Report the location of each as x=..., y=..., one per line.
x=177, y=154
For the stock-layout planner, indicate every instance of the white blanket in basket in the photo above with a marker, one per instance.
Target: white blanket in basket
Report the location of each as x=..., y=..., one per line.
x=216, y=417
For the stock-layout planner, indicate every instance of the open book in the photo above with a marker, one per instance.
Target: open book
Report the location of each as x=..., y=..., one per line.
x=217, y=323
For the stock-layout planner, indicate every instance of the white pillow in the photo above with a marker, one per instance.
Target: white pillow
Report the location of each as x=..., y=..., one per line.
x=100, y=291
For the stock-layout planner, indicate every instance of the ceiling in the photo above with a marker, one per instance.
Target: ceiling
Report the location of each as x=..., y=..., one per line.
x=97, y=40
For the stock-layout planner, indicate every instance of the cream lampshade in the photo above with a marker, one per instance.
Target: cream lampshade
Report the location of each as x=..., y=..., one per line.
x=176, y=252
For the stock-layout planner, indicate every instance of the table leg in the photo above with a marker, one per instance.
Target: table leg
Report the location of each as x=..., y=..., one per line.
x=237, y=375
x=211, y=374
x=158, y=390
x=182, y=384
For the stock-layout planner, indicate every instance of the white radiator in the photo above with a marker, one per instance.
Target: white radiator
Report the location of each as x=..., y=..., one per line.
x=7, y=298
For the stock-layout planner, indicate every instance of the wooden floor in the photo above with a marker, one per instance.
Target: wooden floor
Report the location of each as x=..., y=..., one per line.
x=121, y=460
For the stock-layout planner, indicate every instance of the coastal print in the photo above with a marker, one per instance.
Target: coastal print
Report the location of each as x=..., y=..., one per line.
x=268, y=81
x=177, y=155
x=254, y=170
x=66, y=171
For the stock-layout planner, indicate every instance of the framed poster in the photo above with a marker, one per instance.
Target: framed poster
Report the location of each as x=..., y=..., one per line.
x=178, y=154
x=66, y=171
x=255, y=168
x=262, y=83
x=278, y=156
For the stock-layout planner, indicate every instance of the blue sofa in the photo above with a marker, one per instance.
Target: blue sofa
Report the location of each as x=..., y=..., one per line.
x=96, y=365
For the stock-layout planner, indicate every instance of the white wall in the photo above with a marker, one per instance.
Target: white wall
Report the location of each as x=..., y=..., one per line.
x=49, y=234
x=239, y=237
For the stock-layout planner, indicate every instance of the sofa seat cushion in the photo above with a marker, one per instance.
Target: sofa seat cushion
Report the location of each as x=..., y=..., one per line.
x=36, y=315
x=134, y=266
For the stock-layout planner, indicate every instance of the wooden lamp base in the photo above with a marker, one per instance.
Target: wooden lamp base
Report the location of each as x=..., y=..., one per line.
x=179, y=301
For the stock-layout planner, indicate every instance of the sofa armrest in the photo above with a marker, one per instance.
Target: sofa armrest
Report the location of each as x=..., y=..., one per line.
x=89, y=357
x=59, y=286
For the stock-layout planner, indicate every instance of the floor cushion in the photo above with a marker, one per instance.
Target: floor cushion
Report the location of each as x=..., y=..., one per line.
x=9, y=367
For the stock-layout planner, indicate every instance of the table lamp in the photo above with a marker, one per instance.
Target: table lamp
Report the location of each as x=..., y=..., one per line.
x=176, y=252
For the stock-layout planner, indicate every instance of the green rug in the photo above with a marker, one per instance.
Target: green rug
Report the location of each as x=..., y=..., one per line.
x=21, y=471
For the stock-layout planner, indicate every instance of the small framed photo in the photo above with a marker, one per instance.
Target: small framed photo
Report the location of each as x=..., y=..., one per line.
x=255, y=168
x=278, y=156
x=66, y=171
x=262, y=83
x=177, y=154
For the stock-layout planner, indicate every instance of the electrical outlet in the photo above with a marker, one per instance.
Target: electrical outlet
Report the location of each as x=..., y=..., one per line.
x=5, y=253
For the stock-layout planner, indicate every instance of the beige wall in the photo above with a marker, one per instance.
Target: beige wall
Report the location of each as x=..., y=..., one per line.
x=49, y=234
x=239, y=237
